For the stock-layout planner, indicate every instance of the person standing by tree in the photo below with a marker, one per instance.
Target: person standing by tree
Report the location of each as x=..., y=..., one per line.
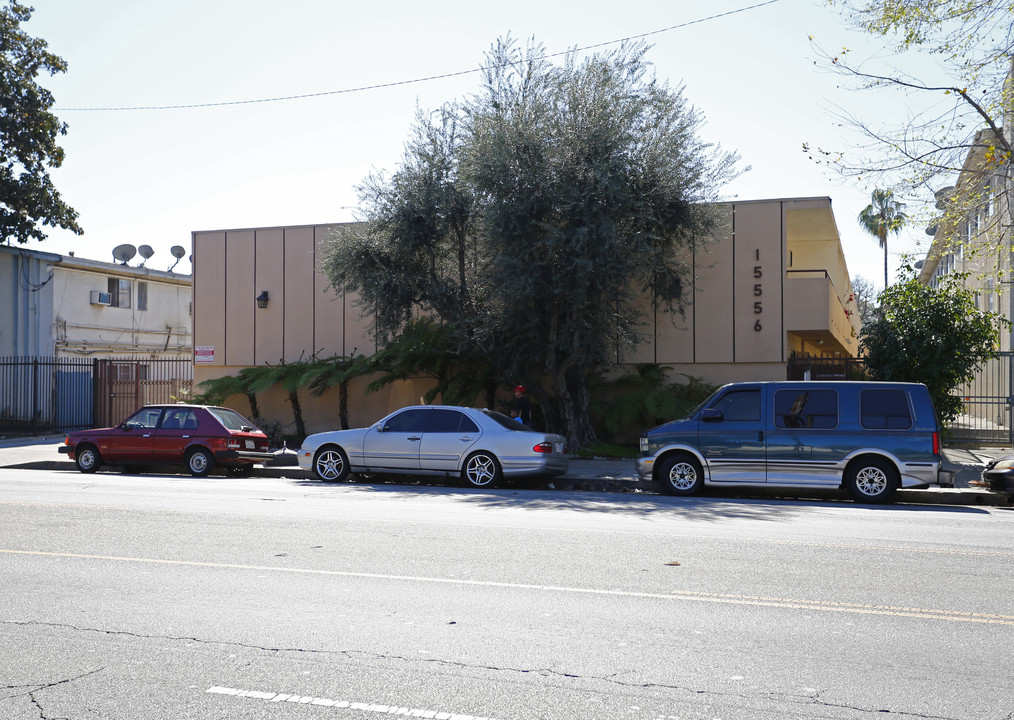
x=522, y=407
x=882, y=216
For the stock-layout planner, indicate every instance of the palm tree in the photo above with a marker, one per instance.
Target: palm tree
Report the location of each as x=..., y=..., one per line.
x=882, y=216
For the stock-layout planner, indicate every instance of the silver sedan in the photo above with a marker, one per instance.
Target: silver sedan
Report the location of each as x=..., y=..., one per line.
x=481, y=447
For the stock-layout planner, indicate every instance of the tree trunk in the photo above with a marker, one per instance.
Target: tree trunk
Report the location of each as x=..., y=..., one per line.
x=254, y=408
x=343, y=404
x=297, y=414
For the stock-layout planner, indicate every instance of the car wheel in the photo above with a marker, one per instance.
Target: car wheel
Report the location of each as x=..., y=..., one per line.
x=200, y=462
x=482, y=470
x=681, y=475
x=87, y=458
x=871, y=480
x=331, y=464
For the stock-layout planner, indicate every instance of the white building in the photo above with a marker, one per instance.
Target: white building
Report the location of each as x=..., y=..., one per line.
x=63, y=306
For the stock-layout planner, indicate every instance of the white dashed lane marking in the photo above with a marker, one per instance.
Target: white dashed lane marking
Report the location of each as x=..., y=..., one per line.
x=343, y=704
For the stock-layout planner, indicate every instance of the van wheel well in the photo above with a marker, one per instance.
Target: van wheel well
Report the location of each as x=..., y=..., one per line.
x=871, y=478
x=679, y=473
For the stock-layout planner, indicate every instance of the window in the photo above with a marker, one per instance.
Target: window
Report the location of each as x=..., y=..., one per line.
x=179, y=419
x=230, y=419
x=408, y=421
x=142, y=296
x=127, y=371
x=146, y=419
x=119, y=292
x=816, y=409
x=450, y=421
x=884, y=410
x=742, y=405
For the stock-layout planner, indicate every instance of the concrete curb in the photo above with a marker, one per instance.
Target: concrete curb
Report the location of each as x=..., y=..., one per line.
x=607, y=482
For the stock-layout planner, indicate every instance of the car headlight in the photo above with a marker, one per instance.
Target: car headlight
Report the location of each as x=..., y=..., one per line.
x=644, y=444
x=1004, y=464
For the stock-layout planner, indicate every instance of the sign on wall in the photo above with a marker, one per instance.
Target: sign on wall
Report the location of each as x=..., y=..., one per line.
x=204, y=354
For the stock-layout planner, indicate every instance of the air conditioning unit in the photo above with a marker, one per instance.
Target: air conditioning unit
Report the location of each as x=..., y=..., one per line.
x=101, y=298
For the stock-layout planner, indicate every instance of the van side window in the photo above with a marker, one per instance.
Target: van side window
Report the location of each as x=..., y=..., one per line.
x=884, y=410
x=799, y=408
x=740, y=405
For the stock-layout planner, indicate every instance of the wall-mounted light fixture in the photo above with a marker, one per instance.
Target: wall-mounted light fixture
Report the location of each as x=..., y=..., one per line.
x=262, y=299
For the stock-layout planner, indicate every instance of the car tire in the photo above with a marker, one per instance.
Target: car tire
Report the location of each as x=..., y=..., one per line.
x=331, y=464
x=681, y=475
x=871, y=480
x=87, y=458
x=200, y=462
x=482, y=470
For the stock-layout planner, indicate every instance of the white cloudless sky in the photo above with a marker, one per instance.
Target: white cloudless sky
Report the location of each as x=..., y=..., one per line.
x=151, y=176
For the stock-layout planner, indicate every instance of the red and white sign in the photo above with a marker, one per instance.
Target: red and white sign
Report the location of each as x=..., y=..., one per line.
x=204, y=354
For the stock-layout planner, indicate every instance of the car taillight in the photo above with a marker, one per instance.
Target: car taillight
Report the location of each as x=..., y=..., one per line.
x=936, y=443
x=232, y=444
x=546, y=447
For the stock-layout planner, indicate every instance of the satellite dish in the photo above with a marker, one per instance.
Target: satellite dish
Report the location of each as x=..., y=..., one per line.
x=178, y=252
x=146, y=252
x=123, y=253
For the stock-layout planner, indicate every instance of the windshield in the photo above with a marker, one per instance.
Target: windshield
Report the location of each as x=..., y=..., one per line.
x=506, y=422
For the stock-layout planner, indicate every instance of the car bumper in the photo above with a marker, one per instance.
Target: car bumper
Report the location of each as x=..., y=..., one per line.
x=524, y=467
x=242, y=456
x=999, y=480
x=645, y=467
x=65, y=449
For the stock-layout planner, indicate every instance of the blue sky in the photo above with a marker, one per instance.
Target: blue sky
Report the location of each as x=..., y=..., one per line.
x=153, y=176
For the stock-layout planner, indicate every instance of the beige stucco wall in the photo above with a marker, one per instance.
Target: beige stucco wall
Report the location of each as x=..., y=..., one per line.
x=745, y=317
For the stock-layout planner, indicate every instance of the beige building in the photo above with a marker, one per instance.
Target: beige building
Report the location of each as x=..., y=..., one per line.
x=774, y=287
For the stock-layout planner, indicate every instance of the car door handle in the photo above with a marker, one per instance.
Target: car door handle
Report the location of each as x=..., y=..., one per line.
x=466, y=438
x=760, y=436
x=146, y=435
x=414, y=438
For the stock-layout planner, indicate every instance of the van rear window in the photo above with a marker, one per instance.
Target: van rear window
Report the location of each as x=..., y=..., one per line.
x=884, y=410
x=800, y=408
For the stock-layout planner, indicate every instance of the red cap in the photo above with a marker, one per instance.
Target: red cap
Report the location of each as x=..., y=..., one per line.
x=520, y=389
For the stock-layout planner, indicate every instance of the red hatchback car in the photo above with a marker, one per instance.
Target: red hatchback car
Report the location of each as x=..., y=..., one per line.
x=197, y=436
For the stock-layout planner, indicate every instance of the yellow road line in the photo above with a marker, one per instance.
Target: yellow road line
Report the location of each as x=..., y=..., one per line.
x=751, y=600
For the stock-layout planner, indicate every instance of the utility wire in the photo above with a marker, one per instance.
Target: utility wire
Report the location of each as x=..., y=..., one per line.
x=380, y=86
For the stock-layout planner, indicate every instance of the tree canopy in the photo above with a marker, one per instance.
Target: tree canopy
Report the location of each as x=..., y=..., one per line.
x=882, y=216
x=936, y=336
x=28, y=134
x=960, y=106
x=536, y=215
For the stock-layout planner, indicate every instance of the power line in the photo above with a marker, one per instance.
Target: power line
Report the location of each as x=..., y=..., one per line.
x=381, y=86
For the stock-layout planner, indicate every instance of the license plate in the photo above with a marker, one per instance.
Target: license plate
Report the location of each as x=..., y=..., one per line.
x=250, y=445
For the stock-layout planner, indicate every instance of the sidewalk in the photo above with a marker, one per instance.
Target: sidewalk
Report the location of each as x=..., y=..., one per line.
x=596, y=475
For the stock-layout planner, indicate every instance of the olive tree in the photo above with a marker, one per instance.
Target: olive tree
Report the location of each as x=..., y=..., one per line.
x=535, y=215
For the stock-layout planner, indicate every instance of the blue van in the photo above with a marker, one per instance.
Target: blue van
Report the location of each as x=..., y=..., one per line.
x=870, y=437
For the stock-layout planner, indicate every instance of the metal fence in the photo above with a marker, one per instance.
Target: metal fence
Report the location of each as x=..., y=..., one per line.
x=45, y=395
x=810, y=368
x=987, y=418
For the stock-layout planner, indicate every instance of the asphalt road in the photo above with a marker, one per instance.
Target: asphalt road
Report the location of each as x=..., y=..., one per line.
x=161, y=596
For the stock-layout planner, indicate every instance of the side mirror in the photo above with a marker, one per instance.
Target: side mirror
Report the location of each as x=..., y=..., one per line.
x=711, y=415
